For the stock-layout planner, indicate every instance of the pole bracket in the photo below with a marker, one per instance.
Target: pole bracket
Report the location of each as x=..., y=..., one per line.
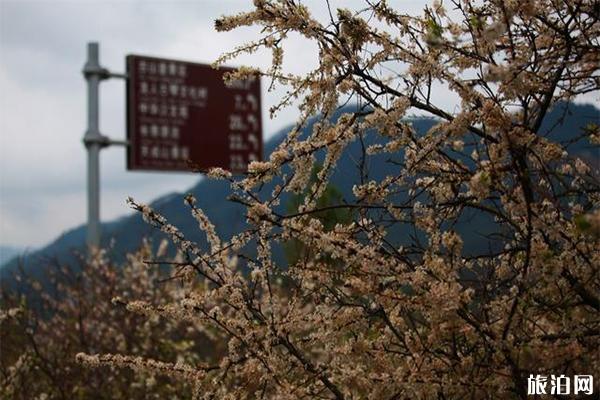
x=90, y=70
x=90, y=139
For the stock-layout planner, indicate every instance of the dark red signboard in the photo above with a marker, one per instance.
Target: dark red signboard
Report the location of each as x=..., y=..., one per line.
x=181, y=114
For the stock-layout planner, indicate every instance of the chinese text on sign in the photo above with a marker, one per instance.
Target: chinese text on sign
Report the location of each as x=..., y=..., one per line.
x=182, y=115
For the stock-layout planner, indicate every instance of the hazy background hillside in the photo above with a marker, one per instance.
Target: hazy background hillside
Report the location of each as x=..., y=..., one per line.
x=9, y=252
x=125, y=234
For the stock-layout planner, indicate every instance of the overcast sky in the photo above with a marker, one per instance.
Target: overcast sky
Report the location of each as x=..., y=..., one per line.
x=43, y=100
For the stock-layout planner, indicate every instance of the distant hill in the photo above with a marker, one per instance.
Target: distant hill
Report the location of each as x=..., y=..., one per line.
x=126, y=233
x=9, y=252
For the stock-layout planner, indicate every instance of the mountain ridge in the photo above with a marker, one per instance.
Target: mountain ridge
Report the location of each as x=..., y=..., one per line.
x=124, y=234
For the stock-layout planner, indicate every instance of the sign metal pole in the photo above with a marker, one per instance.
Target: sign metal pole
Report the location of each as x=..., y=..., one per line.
x=94, y=141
